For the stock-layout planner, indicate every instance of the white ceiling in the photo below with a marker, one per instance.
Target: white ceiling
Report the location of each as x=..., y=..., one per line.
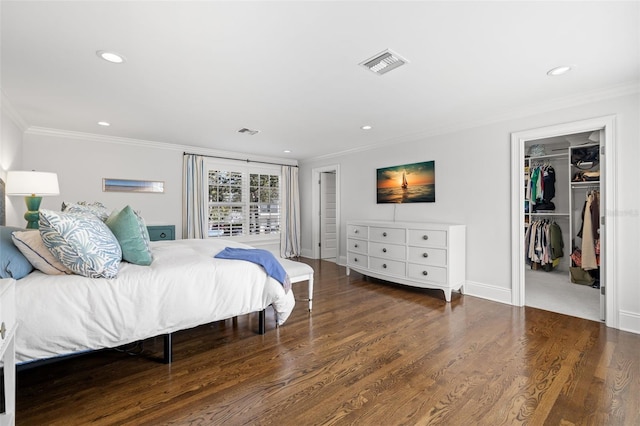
x=197, y=72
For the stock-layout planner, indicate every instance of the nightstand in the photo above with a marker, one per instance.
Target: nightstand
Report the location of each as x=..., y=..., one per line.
x=162, y=232
x=7, y=351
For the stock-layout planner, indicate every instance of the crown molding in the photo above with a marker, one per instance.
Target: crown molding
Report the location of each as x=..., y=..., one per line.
x=93, y=137
x=611, y=92
x=9, y=110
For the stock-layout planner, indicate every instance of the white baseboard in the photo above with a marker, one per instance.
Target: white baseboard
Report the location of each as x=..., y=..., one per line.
x=629, y=321
x=306, y=253
x=487, y=291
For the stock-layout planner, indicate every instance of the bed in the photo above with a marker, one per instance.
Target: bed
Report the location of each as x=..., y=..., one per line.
x=185, y=286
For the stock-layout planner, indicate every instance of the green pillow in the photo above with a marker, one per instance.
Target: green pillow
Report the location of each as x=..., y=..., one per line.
x=131, y=232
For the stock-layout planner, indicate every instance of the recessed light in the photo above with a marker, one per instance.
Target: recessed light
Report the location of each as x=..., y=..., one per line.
x=287, y=151
x=367, y=127
x=104, y=123
x=110, y=56
x=559, y=70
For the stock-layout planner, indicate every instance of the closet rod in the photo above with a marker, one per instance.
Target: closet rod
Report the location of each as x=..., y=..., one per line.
x=238, y=159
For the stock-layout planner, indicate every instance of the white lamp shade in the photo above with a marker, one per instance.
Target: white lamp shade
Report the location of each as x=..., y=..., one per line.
x=32, y=183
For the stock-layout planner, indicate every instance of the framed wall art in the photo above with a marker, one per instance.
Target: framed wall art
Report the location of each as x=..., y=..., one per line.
x=128, y=185
x=409, y=183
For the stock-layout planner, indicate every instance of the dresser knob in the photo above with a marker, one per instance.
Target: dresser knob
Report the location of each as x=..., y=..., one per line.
x=355, y=259
x=384, y=265
x=355, y=231
x=425, y=237
x=425, y=254
x=384, y=234
x=3, y=330
x=355, y=246
x=384, y=250
x=163, y=235
x=425, y=273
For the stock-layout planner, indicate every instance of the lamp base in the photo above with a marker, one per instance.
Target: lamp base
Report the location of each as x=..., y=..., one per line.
x=32, y=216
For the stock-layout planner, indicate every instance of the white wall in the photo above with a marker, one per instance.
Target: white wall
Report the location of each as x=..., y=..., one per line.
x=473, y=187
x=11, y=159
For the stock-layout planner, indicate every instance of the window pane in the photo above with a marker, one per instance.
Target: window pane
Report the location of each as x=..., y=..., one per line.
x=233, y=212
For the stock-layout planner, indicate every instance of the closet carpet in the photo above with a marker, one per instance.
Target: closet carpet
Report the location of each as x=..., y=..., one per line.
x=553, y=291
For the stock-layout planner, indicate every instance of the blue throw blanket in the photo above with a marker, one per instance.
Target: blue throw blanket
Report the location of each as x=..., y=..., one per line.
x=264, y=258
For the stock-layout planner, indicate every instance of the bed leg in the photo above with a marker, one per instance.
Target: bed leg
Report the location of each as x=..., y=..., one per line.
x=261, y=319
x=167, y=349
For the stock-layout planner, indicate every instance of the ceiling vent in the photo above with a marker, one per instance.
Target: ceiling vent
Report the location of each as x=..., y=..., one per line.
x=248, y=131
x=384, y=62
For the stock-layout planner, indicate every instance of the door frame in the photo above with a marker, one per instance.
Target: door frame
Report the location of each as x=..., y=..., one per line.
x=315, y=208
x=608, y=255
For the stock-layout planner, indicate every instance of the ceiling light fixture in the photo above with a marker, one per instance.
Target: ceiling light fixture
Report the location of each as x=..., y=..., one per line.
x=112, y=57
x=104, y=123
x=367, y=127
x=554, y=72
x=384, y=62
x=287, y=151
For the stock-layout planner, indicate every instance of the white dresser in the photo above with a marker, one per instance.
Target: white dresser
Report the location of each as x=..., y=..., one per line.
x=7, y=351
x=428, y=255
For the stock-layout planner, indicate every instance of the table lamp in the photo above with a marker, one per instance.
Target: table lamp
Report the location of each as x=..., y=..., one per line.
x=33, y=185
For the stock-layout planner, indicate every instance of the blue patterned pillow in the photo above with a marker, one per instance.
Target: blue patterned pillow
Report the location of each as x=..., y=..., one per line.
x=96, y=208
x=81, y=242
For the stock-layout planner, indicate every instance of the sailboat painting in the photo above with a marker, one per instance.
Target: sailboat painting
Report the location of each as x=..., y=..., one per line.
x=410, y=183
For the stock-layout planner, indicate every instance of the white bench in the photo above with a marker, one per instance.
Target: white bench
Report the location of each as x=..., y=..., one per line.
x=298, y=272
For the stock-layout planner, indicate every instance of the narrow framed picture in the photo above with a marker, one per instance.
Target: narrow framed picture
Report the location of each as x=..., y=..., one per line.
x=129, y=185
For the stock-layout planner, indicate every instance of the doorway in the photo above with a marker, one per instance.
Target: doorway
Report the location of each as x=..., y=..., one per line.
x=326, y=216
x=552, y=137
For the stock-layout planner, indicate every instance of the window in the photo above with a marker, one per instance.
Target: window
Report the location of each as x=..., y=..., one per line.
x=243, y=200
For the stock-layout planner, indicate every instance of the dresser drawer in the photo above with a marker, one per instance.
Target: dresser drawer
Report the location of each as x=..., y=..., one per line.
x=162, y=232
x=427, y=238
x=357, y=246
x=386, y=266
x=388, y=251
x=387, y=235
x=357, y=260
x=357, y=231
x=428, y=256
x=427, y=273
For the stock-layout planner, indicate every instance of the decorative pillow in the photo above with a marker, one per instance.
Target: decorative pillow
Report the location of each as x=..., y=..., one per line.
x=96, y=208
x=13, y=264
x=132, y=234
x=81, y=242
x=32, y=247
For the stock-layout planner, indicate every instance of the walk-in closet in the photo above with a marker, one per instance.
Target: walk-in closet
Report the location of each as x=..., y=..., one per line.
x=562, y=177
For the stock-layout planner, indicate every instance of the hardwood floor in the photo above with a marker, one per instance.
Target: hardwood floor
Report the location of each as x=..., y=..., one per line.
x=371, y=353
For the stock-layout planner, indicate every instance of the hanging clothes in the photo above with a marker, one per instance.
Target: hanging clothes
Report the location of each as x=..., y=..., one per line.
x=543, y=244
x=590, y=232
x=541, y=187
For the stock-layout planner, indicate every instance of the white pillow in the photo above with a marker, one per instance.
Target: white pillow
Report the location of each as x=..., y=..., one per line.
x=32, y=247
x=81, y=242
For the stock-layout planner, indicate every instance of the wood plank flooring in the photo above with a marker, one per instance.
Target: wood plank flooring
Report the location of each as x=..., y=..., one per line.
x=371, y=353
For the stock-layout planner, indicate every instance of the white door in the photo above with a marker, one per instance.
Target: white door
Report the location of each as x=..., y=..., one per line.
x=328, y=238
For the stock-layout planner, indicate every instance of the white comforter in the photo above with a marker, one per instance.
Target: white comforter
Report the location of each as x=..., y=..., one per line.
x=184, y=287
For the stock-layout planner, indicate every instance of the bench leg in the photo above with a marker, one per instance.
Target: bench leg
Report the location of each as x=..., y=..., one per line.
x=310, y=292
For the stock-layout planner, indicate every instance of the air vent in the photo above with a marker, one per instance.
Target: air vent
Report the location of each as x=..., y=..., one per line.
x=384, y=62
x=248, y=131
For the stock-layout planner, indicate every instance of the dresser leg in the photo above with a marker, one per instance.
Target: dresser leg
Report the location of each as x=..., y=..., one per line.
x=447, y=295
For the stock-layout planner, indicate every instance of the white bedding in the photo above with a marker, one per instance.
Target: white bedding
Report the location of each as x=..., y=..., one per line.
x=184, y=287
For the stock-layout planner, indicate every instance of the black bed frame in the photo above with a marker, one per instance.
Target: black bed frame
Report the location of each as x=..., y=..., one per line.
x=167, y=343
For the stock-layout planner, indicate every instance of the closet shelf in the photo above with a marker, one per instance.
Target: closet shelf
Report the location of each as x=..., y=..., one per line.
x=595, y=183
x=549, y=214
x=542, y=157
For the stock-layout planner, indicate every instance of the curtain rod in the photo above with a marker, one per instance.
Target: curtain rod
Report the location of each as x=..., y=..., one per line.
x=237, y=159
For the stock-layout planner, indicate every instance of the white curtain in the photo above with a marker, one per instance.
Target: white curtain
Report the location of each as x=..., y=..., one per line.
x=290, y=225
x=194, y=201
